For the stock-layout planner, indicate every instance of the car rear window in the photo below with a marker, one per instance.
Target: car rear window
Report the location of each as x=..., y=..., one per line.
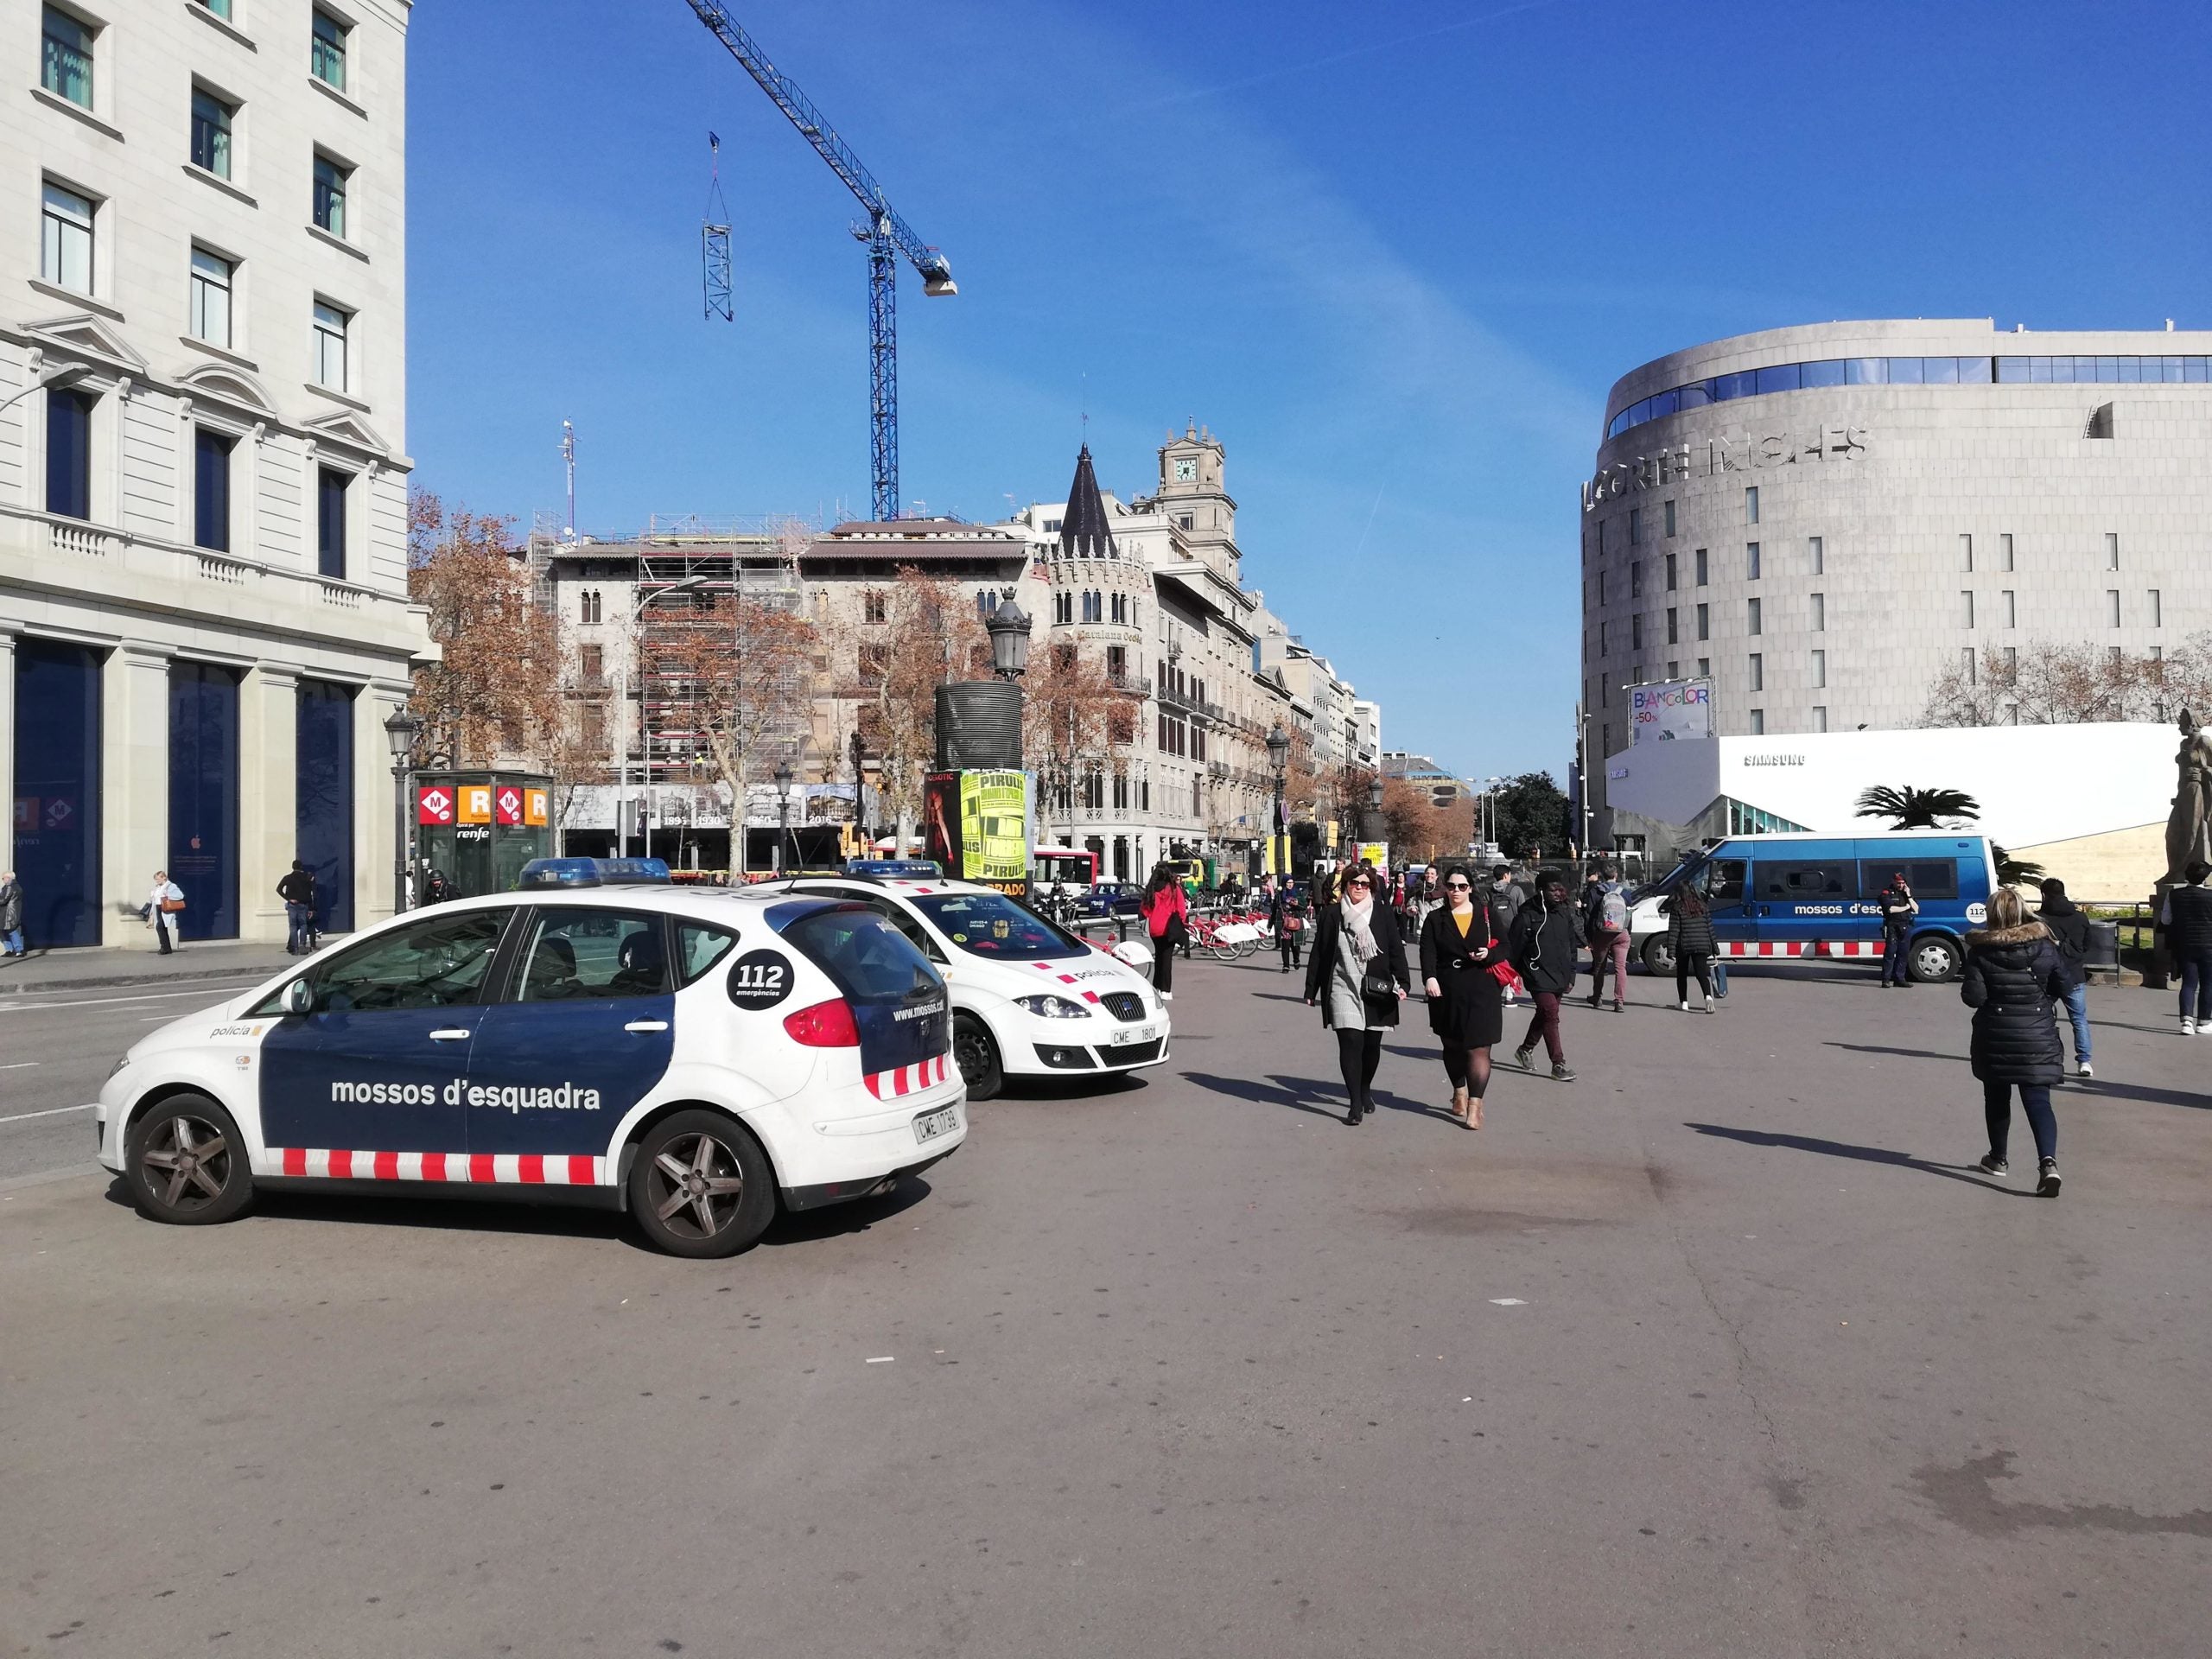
x=867, y=958
x=991, y=925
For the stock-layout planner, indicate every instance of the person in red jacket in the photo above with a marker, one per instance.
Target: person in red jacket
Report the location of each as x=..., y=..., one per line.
x=1167, y=919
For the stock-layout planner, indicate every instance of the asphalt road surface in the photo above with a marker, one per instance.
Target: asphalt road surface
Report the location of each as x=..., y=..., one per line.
x=1719, y=1351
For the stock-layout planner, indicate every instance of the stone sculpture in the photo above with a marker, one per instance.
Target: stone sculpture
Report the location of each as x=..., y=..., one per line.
x=2189, y=829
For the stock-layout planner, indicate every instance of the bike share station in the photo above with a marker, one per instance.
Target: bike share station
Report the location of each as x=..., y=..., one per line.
x=478, y=829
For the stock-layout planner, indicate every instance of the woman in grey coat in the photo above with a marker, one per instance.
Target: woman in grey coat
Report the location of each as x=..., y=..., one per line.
x=1354, y=939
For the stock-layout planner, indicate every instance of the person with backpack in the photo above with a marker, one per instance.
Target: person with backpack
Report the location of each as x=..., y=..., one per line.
x=1167, y=915
x=1899, y=908
x=1689, y=936
x=1543, y=947
x=297, y=891
x=2014, y=982
x=1604, y=922
x=2069, y=932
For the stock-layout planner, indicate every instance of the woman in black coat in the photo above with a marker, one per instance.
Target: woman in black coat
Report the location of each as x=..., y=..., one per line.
x=1689, y=936
x=2014, y=981
x=1354, y=937
x=1464, y=1009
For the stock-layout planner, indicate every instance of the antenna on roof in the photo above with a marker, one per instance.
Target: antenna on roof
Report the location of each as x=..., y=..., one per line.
x=569, y=462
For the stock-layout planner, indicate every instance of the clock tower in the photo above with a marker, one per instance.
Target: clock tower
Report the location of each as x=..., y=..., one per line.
x=1193, y=496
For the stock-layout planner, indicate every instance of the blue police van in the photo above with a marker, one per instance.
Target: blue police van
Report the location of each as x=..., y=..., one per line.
x=1820, y=895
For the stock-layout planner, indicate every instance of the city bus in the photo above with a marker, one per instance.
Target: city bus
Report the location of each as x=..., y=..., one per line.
x=1074, y=870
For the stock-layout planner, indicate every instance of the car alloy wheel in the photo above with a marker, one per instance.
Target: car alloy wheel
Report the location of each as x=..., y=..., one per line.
x=186, y=1163
x=695, y=1185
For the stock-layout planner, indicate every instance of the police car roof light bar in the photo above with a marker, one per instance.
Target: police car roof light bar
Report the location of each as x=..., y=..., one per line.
x=541, y=874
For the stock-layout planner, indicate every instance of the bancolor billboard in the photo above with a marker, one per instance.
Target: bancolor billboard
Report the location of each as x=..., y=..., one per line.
x=1669, y=709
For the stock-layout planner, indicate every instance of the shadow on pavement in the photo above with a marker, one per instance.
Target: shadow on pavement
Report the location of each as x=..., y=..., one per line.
x=1298, y=1094
x=1965, y=1173
x=2092, y=1087
x=1909, y=1054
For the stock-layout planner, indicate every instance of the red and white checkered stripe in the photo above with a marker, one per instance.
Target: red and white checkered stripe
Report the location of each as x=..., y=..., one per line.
x=481, y=1168
x=1799, y=948
x=907, y=1079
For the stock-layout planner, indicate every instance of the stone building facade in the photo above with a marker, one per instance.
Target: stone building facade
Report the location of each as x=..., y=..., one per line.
x=204, y=618
x=1822, y=519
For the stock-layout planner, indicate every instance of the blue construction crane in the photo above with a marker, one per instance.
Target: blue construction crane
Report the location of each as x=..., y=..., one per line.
x=887, y=237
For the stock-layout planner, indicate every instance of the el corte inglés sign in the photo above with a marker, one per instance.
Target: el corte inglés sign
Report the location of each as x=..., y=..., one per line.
x=1732, y=452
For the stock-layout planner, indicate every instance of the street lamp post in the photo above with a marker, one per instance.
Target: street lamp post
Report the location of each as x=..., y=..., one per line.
x=782, y=775
x=860, y=824
x=400, y=732
x=1279, y=835
x=1008, y=627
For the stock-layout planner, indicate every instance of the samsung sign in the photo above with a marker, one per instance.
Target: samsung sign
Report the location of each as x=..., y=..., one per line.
x=1774, y=760
x=1732, y=453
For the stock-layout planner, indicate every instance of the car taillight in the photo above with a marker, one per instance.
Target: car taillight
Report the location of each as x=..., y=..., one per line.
x=826, y=1025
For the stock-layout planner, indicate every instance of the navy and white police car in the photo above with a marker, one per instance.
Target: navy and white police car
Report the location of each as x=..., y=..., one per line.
x=698, y=1057
x=1029, y=998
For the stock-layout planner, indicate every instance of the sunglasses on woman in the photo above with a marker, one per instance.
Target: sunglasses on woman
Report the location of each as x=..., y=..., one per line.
x=1458, y=887
x=1360, y=883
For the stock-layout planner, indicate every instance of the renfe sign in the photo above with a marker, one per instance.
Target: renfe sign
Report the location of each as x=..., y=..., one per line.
x=1734, y=452
x=1671, y=708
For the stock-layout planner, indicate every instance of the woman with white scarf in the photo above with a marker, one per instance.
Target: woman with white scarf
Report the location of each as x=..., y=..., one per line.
x=1357, y=975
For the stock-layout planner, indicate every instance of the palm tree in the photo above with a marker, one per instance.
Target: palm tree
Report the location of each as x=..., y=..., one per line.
x=2016, y=872
x=1917, y=809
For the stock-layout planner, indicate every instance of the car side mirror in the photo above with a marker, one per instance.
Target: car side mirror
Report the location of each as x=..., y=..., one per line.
x=299, y=997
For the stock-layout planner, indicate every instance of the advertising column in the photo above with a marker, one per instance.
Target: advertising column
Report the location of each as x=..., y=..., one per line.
x=975, y=824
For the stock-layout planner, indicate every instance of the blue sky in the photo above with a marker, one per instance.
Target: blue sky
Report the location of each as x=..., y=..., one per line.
x=1393, y=255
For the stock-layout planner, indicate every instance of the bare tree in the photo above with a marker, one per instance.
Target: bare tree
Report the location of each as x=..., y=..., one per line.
x=495, y=692
x=929, y=635
x=2052, y=683
x=740, y=679
x=1076, y=723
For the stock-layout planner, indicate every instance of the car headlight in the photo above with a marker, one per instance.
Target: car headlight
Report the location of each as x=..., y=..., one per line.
x=1052, y=1008
x=119, y=1066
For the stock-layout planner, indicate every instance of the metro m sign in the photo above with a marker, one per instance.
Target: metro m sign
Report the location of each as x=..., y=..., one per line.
x=434, y=804
x=506, y=804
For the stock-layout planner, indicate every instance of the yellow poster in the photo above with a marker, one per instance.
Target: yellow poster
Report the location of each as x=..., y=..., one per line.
x=533, y=806
x=475, y=804
x=995, y=826
x=1377, y=853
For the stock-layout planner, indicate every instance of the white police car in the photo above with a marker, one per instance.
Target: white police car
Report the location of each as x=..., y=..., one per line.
x=698, y=1057
x=1029, y=998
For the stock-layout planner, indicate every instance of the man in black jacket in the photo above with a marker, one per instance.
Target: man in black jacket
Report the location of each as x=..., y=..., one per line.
x=2188, y=919
x=1542, y=946
x=297, y=891
x=2070, y=933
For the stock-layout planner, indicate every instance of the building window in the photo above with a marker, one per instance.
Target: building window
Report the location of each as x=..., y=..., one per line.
x=1820, y=614
x=987, y=603
x=1701, y=567
x=1758, y=670
x=1819, y=669
x=2112, y=607
x=211, y=132
x=330, y=521
x=1094, y=606
x=2158, y=610
x=1635, y=579
x=1674, y=626
x=1818, y=554
x=1601, y=538
x=2112, y=552
x=1965, y=608
x=210, y=488
x=2009, y=600
x=1704, y=667
x=1670, y=518
x=1753, y=617
x=65, y=59
x=327, y=55
x=2004, y=551
x=2100, y=422
x=1635, y=632
x=588, y=609
x=66, y=239
x=1968, y=666
x=211, y=298
x=331, y=180
x=331, y=329
x=1704, y=624
x=1673, y=670
x=1820, y=718
x=69, y=453
x=1635, y=527
x=1965, y=553
x=1751, y=560
x=1751, y=504
x=1670, y=566
x=875, y=605
x=1601, y=586
x=218, y=8
x=2012, y=661
x=1759, y=722
x=1604, y=649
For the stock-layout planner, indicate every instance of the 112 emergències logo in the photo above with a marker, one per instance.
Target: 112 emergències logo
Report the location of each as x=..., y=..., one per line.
x=566, y=1097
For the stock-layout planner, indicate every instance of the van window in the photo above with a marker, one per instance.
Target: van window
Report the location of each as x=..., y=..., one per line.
x=1792, y=882
x=1723, y=881
x=1931, y=878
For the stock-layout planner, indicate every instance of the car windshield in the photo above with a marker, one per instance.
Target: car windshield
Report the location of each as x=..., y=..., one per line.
x=991, y=925
x=1691, y=864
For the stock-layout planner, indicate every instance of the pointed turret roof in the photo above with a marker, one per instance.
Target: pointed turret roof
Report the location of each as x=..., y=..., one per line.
x=1084, y=531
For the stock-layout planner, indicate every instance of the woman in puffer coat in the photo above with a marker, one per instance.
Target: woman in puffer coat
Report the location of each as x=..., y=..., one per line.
x=1689, y=936
x=2015, y=981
